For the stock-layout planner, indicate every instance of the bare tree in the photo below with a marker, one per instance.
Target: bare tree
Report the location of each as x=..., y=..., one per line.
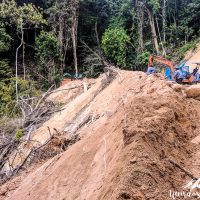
x=161, y=42
x=141, y=5
x=16, y=59
x=153, y=29
x=164, y=19
x=66, y=13
x=140, y=15
x=74, y=27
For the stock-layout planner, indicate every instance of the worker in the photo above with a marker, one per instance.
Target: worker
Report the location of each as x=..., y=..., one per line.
x=196, y=78
x=196, y=74
x=178, y=75
x=151, y=70
x=195, y=70
x=168, y=73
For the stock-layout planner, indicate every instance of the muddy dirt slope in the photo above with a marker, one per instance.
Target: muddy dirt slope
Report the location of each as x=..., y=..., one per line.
x=135, y=144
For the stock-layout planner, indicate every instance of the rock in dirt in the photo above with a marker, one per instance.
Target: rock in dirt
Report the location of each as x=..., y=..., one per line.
x=193, y=91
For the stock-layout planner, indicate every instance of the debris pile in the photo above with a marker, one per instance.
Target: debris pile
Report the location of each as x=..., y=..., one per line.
x=132, y=141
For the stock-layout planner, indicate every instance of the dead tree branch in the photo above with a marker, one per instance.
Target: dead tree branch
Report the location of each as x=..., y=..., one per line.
x=33, y=151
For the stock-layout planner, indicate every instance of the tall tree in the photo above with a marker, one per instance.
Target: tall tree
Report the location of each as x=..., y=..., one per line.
x=74, y=7
x=24, y=17
x=164, y=17
x=151, y=8
x=63, y=19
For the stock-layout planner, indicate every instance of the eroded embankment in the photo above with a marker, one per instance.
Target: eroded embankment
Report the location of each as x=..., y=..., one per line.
x=136, y=144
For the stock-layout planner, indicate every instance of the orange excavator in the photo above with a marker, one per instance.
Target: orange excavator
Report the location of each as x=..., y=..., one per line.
x=162, y=61
x=189, y=78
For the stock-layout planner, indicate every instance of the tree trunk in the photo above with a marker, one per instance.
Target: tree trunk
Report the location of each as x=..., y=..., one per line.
x=153, y=30
x=16, y=61
x=164, y=20
x=74, y=27
x=140, y=15
x=102, y=60
x=65, y=52
x=61, y=39
x=54, y=31
x=23, y=64
x=74, y=49
x=163, y=49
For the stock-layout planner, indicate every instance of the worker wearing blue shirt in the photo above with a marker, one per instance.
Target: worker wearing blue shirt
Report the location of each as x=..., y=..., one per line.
x=178, y=75
x=151, y=70
x=196, y=77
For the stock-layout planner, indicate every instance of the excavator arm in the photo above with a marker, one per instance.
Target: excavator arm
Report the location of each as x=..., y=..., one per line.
x=160, y=60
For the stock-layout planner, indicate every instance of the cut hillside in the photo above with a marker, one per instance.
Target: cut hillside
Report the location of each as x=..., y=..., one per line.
x=135, y=134
x=193, y=56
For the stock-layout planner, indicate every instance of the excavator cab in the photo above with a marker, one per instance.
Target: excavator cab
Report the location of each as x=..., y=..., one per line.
x=186, y=71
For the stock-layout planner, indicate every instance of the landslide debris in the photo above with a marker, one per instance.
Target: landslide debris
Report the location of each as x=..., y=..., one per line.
x=135, y=143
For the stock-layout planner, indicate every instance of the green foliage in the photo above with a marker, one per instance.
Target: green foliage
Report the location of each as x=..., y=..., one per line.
x=116, y=22
x=155, y=5
x=5, y=43
x=47, y=47
x=7, y=95
x=29, y=14
x=119, y=7
x=6, y=99
x=189, y=15
x=8, y=11
x=26, y=88
x=183, y=50
x=142, y=59
x=47, y=55
x=5, y=39
x=5, y=71
x=115, y=43
x=26, y=14
x=19, y=134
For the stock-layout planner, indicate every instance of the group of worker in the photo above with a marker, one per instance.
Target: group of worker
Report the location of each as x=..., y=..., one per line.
x=177, y=75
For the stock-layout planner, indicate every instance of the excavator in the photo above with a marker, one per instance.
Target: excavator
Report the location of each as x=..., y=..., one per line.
x=169, y=69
